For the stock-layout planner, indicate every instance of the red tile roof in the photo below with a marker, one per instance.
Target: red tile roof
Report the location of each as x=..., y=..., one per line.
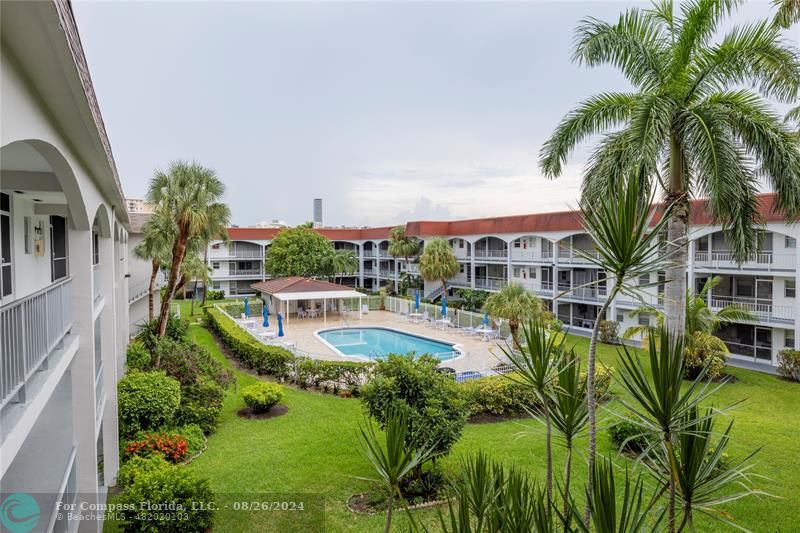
x=297, y=284
x=533, y=223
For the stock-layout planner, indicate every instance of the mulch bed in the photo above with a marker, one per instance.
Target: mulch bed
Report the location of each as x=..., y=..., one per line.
x=359, y=504
x=278, y=410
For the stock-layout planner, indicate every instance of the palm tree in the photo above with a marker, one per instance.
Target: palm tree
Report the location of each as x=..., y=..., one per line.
x=658, y=401
x=156, y=248
x=438, y=262
x=344, y=263
x=194, y=268
x=515, y=303
x=700, y=318
x=536, y=365
x=688, y=117
x=626, y=238
x=391, y=460
x=190, y=195
x=788, y=12
x=401, y=245
x=570, y=411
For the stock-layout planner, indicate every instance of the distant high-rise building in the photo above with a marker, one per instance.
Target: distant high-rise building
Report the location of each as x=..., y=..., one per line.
x=271, y=224
x=317, y=212
x=138, y=205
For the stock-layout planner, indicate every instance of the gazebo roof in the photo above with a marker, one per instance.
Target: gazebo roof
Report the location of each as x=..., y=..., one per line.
x=299, y=288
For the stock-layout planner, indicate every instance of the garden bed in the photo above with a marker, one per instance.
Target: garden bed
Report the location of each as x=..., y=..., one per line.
x=248, y=413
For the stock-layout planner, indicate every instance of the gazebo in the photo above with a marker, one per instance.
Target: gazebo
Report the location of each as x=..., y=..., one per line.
x=286, y=294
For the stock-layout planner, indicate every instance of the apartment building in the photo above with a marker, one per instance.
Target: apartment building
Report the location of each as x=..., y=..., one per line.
x=545, y=253
x=63, y=286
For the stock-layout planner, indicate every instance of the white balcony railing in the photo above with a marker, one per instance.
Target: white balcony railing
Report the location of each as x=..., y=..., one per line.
x=760, y=261
x=544, y=288
x=573, y=256
x=30, y=328
x=641, y=299
x=491, y=254
x=247, y=253
x=369, y=253
x=763, y=310
x=241, y=272
x=591, y=294
x=96, y=281
x=531, y=255
x=493, y=284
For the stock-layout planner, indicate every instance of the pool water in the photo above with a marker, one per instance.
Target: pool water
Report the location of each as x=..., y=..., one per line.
x=377, y=343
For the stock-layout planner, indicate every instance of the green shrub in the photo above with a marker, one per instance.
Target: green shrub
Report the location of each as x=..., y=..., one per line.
x=167, y=488
x=608, y=332
x=201, y=404
x=138, y=357
x=177, y=330
x=701, y=350
x=215, y=295
x=146, y=400
x=262, y=397
x=789, y=364
x=262, y=358
x=195, y=438
x=188, y=362
x=167, y=444
x=498, y=395
x=603, y=375
x=334, y=374
x=628, y=437
x=436, y=411
x=137, y=465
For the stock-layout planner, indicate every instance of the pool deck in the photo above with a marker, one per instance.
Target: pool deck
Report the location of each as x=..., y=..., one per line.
x=479, y=355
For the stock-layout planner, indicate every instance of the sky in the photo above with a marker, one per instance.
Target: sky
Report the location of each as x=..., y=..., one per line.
x=389, y=112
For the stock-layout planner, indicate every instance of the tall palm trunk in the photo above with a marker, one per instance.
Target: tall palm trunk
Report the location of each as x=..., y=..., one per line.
x=567, y=477
x=549, y=453
x=178, y=252
x=389, y=506
x=590, y=401
x=675, y=291
x=152, y=289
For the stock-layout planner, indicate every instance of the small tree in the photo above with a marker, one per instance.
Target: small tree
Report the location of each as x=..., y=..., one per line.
x=438, y=262
x=514, y=303
x=299, y=251
x=155, y=247
x=430, y=400
x=472, y=299
x=401, y=245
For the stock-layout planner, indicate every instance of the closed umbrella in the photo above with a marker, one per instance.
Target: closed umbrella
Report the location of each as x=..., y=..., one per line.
x=486, y=319
x=265, y=312
x=280, y=325
x=416, y=301
x=246, y=307
x=444, y=306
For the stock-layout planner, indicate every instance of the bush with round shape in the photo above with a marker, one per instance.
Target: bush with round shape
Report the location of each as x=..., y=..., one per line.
x=262, y=397
x=146, y=400
x=789, y=364
x=138, y=465
x=628, y=437
x=701, y=350
x=201, y=404
x=498, y=395
x=168, y=488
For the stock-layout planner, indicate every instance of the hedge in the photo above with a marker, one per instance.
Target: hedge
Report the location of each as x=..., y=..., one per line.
x=279, y=362
x=262, y=358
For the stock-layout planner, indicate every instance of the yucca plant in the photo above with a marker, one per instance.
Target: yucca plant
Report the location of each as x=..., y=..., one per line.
x=626, y=234
x=569, y=412
x=657, y=401
x=536, y=365
x=391, y=460
x=614, y=512
x=706, y=477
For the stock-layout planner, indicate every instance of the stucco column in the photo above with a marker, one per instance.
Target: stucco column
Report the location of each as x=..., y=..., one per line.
x=361, y=265
x=508, y=261
x=263, y=262
x=471, y=264
x=692, y=246
x=82, y=368
x=109, y=356
x=796, y=296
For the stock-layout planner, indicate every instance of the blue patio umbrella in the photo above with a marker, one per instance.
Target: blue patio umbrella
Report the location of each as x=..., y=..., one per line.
x=416, y=301
x=246, y=307
x=265, y=312
x=444, y=306
x=486, y=319
x=280, y=325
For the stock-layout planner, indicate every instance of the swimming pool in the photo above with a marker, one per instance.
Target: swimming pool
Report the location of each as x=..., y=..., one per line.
x=376, y=343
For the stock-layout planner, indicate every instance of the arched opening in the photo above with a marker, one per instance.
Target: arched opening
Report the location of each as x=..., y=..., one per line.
x=40, y=199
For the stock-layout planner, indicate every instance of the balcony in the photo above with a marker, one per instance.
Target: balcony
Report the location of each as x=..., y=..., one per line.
x=32, y=327
x=386, y=273
x=491, y=255
x=576, y=256
x=370, y=253
x=631, y=301
x=491, y=284
x=595, y=294
x=764, y=261
x=368, y=272
x=542, y=288
x=244, y=272
x=531, y=256
x=763, y=310
x=96, y=282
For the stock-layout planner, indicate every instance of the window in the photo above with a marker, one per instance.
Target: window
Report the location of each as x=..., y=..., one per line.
x=516, y=272
x=620, y=317
x=59, y=257
x=789, y=242
x=644, y=279
x=215, y=246
x=215, y=285
x=789, y=288
x=215, y=265
x=788, y=339
x=517, y=244
x=461, y=243
x=95, y=248
x=644, y=319
x=26, y=224
x=5, y=245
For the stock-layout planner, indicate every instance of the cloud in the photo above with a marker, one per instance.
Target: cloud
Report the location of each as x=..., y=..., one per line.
x=424, y=209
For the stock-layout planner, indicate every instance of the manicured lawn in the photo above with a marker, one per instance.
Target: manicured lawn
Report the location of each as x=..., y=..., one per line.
x=312, y=450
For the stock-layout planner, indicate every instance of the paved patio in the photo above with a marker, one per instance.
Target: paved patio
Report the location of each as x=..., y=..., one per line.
x=479, y=355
